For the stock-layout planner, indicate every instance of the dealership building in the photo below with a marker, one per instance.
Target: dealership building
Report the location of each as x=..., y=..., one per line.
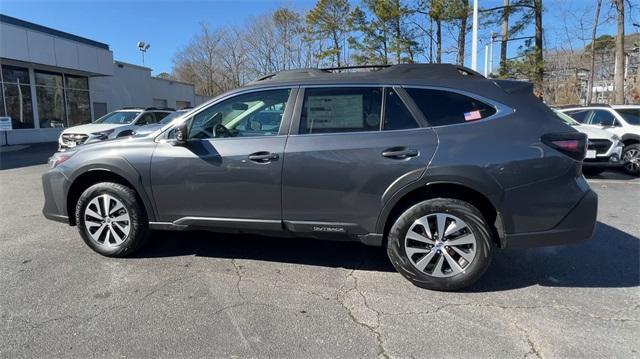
x=52, y=79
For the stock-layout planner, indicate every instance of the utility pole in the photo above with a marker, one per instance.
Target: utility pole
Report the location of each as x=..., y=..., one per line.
x=486, y=60
x=474, y=37
x=493, y=39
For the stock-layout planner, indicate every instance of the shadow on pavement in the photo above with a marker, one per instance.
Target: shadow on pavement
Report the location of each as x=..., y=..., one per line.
x=610, y=259
x=289, y=250
x=26, y=155
x=614, y=174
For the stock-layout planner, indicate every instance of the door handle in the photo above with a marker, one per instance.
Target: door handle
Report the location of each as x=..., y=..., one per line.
x=263, y=156
x=400, y=152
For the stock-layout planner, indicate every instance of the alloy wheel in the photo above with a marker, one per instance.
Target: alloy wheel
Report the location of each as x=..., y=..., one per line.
x=440, y=245
x=107, y=220
x=631, y=160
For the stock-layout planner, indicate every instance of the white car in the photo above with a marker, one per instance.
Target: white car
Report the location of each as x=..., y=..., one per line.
x=115, y=124
x=622, y=120
x=604, y=149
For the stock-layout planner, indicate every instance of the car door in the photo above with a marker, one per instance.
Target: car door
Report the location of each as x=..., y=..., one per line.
x=228, y=174
x=349, y=151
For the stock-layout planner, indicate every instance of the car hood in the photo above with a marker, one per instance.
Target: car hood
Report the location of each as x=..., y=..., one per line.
x=92, y=128
x=594, y=133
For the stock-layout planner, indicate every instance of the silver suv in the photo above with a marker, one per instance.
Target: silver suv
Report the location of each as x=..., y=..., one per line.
x=115, y=124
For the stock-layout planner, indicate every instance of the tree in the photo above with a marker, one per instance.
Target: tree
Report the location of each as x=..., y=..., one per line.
x=592, y=66
x=164, y=76
x=329, y=20
x=618, y=79
x=372, y=45
x=289, y=26
x=504, y=39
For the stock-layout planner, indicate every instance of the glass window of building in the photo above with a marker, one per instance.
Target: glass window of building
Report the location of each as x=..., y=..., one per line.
x=78, y=101
x=16, y=91
x=50, y=97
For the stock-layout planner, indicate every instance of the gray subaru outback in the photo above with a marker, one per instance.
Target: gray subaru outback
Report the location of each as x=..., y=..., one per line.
x=436, y=163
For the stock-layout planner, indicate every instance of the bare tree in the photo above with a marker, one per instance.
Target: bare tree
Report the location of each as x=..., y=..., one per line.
x=592, y=67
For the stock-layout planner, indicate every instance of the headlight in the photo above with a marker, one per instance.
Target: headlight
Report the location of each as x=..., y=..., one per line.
x=59, y=158
x=103, y=135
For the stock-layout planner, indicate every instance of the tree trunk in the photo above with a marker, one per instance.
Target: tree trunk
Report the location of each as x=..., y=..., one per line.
x=505, y=38
x=336, y=46
x=438, y=41
x=592, y=67
x=462, y=35
x=539, y=60
x=618, y=77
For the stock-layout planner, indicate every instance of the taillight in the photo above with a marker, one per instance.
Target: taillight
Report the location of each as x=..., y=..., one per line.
x=572, y=144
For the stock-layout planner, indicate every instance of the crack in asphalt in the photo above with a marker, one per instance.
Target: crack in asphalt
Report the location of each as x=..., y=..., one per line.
x=238, y=270
x=373, y=328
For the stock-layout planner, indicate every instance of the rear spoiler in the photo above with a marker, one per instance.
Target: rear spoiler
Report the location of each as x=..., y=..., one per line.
x=512, y=86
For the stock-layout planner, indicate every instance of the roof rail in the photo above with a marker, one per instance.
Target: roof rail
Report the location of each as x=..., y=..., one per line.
x=331, y=69
x=161, y=109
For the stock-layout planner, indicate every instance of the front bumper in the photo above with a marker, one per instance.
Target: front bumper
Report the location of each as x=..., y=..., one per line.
x=577, y=226
x=55, y=204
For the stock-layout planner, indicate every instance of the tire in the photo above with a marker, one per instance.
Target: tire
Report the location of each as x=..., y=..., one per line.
x=430, y=212
x=128, y=223
x=631, y=158
x=591, y=171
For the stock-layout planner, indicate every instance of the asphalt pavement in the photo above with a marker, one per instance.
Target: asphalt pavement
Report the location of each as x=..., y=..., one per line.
x=198, y=294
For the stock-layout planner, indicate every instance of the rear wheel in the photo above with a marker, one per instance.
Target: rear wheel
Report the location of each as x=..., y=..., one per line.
x=111, y=220
x=441, y=244
x=631, y=159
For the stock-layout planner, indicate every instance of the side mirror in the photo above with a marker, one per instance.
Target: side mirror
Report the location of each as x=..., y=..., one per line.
x=181, y=133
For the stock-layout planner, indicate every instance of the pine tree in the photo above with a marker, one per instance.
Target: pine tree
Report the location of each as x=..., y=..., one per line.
x=329, y=20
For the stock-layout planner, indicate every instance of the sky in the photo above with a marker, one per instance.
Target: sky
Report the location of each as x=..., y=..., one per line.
x=169, y=25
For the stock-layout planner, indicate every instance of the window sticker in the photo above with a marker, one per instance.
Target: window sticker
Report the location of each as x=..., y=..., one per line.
x=342, y=111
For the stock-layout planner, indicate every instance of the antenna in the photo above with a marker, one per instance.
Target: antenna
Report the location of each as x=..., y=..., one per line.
x=143, y=47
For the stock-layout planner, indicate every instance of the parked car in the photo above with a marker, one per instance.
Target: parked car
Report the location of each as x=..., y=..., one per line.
x=150, y=128
x=622, y=120
x=435, y=162
x=604, y=149
x=115, y=124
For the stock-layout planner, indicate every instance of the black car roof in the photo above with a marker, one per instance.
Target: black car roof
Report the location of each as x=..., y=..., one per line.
x=397, y=74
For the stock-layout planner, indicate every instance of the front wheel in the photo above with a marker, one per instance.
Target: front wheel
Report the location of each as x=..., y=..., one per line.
x=631, y=159
x=111, y=220
x=441, y=244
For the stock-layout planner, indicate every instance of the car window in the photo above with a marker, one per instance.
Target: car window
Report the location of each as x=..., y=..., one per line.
x=396, y=114
x=253, y=114
x=147, y=118
x=631, y=115
x=160, y=115
x=579, y=115
x=448, y=108
x=602, y=117
x=118, y=117
x=333, y=110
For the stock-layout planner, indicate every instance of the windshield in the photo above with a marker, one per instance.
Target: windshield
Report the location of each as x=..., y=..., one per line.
x=566, y=118
x=118, y=117
x=631, y=115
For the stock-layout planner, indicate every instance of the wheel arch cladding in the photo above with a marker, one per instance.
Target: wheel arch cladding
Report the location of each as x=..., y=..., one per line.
x=91, y=177
x=447, y=190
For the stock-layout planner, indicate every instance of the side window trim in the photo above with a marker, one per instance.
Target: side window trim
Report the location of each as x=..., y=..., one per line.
x=411, y=106
x=501, y=109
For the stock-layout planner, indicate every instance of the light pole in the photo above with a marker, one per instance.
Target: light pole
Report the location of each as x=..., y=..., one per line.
x=143, y=47
x=493, y=39
x=474, y=37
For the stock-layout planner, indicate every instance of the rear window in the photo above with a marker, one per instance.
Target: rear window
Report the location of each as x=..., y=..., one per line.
x=443, y=108
x=631, y=115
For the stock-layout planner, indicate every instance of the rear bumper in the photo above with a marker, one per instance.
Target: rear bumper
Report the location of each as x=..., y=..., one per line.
x=577, y=226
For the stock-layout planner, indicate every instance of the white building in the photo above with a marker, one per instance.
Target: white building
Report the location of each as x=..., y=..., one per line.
x=51, y=79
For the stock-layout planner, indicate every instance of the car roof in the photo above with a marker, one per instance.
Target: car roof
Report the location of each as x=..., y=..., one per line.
x=397, y=74
x=625, y=106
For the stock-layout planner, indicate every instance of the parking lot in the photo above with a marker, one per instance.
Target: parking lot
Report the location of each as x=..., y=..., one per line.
x=197, y=294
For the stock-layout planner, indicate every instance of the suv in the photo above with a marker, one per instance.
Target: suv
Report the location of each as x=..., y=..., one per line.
x=434, y=162
x=115, y=124
x=604, y=149
x=622, y=120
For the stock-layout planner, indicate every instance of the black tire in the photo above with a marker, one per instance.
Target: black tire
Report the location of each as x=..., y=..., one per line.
x=592, y=171
x=467, y=213
x=139, y=225
x=632, y=165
